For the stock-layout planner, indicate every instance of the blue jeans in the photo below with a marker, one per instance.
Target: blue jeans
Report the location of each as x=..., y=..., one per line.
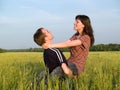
x=59, y=72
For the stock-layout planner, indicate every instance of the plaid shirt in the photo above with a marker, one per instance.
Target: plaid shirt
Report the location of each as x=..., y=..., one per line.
x=79, y=53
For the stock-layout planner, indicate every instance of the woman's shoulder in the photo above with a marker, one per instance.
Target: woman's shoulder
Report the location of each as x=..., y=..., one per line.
x=85, y=37
x=74, y=37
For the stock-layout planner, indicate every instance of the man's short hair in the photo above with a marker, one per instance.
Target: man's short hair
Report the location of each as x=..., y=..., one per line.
x=39, y=37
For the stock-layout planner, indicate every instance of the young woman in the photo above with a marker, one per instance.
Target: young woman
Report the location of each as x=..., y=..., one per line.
x=79, y=45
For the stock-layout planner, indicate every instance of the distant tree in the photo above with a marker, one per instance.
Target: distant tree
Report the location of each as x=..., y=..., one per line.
x=105, y=47
x=2, y=50
x=98, y=47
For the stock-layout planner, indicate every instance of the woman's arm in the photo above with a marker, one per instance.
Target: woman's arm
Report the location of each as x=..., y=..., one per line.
x=68, y=43
x=68, y=71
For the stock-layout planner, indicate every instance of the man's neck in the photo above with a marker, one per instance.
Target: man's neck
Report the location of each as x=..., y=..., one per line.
x=49, y=42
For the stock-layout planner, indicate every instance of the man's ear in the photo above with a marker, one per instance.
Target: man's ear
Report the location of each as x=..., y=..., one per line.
x=45, y=39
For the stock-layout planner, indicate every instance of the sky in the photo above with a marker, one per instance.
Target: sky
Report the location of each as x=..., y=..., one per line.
x=19, y=20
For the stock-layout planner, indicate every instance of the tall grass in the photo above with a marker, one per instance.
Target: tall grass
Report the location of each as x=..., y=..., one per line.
x=18, y=70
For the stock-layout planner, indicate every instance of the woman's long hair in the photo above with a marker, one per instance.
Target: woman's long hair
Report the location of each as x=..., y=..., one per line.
x=88, y=28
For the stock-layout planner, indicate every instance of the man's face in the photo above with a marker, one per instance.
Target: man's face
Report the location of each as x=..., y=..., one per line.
x=48, y=34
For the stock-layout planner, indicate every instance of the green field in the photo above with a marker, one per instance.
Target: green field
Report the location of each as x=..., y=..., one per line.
x=18, y=70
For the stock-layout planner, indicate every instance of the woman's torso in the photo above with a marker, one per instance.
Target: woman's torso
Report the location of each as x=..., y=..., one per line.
x=78, y=54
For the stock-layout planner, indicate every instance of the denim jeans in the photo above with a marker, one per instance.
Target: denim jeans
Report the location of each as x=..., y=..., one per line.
x=59, y=72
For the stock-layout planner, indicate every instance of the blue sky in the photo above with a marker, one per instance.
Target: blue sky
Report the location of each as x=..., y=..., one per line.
x=19, y=19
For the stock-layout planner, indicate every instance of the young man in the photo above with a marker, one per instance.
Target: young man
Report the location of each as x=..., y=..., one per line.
x=54, y=60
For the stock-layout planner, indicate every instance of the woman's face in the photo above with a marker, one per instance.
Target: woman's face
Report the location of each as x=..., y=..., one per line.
x=48, y=34
x=78, y=25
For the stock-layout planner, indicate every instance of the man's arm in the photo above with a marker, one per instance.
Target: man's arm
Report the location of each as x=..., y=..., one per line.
x=67, y=70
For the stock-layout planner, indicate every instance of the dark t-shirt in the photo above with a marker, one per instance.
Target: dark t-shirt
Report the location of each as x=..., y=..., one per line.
x=53, y=58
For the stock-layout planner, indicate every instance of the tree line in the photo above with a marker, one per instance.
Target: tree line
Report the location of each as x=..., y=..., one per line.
x=98, y=47
x=105, y=47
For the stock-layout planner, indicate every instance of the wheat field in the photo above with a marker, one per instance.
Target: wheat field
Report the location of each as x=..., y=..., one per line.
x=19, y=69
